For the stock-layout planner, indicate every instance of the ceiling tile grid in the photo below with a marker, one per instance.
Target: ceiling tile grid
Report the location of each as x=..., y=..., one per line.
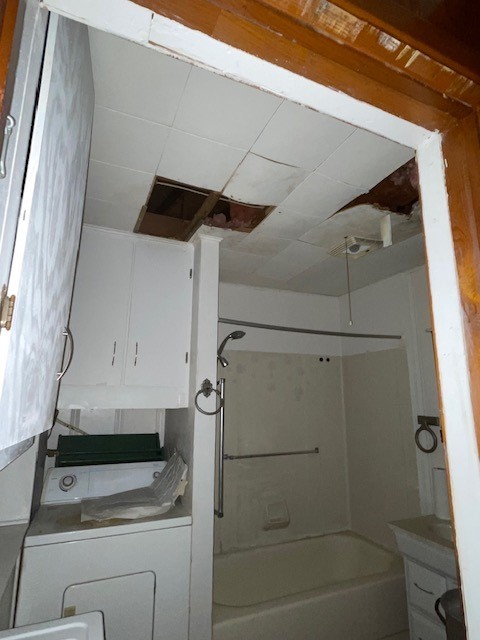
x=196, y=161
x=300, y=136
x=127, y=141
x=296, y=258
x=364, y=159
x=223, y=110
x=261, y=181
x=136, y=80
x=119, y=185
x=262, y=245
x=156, y=115
x=286, y=224
x=107, y=214
x=244, y=262
x=320, y=197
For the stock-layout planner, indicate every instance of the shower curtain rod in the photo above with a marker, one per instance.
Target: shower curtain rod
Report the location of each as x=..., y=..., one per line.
x=318, y=332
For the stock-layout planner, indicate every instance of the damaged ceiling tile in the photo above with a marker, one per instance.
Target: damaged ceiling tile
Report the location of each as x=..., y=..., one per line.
x=300, y=136
x=397, y=193
x=261, y=181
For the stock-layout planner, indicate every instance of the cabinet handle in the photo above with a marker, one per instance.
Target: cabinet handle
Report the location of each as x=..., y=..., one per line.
x=6, y=137
x=68, y=335
x=114, y=351
x=430, y=593
x=136, y=354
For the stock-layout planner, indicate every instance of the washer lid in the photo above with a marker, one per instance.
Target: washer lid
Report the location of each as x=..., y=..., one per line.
x=61, y=523
x=72, y=484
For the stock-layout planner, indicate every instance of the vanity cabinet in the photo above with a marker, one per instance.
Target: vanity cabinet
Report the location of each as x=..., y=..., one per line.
x=131, y=323
x=430, y=570
x=424, y=587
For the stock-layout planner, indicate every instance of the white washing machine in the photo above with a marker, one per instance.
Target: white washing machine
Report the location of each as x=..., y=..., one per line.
x=136, y=572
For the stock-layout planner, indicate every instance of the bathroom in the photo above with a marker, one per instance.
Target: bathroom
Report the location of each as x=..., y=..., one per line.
x=335, y=365
x=353, y=399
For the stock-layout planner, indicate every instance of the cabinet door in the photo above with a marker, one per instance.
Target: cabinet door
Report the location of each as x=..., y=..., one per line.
x=100, y=308
x=422, y=628
x=110, y=597
x=424, y=587
x=160, y=316
x=47, y=237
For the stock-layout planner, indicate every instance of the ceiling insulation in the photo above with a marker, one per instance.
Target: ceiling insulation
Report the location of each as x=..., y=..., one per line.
x=397, y=193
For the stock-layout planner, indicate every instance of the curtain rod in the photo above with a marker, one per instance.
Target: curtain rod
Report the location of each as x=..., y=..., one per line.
x=318, y=332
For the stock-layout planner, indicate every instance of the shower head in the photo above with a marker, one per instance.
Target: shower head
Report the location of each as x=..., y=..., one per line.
x=235, y=335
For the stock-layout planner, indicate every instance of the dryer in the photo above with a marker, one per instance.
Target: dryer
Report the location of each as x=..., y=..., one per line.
x=136, y=572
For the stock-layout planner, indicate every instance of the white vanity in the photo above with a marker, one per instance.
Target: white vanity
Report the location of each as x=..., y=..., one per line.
x=430, y=569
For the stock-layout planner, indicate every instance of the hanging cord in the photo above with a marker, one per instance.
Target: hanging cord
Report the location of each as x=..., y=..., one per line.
x=51, y=453
x=72, y=427
x=350, y=321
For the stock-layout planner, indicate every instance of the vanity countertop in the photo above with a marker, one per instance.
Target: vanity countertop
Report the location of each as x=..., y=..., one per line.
x=426, y=528
x=427, y=540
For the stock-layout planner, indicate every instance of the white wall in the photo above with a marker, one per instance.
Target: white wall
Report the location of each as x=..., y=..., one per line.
x=400, y=305
x=382, y=469
x=283, y=402
x=285, y=308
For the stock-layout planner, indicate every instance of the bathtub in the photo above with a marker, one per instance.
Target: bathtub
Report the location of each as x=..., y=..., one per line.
x=333, y=587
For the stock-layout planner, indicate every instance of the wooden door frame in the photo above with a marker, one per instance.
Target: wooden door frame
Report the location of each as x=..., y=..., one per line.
x=319, y=54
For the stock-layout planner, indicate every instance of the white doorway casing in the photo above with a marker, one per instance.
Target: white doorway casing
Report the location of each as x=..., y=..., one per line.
x=140, y=25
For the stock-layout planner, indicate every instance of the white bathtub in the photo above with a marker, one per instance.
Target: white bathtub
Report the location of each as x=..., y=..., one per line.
x=334, y=587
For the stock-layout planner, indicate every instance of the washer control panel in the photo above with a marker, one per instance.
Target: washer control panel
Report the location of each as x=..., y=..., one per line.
x=72, y=484
x=67, y=482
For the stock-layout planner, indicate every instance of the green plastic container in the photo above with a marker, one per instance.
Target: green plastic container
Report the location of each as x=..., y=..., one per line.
x=108, y=449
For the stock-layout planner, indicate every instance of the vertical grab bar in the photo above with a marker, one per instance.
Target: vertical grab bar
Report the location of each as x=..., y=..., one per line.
x=221, y=432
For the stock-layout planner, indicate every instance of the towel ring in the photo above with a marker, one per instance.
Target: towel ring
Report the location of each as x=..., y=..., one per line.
x=426, y=423
x=206, y=390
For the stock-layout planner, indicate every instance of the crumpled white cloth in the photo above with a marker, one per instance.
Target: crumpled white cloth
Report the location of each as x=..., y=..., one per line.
x=157, y=498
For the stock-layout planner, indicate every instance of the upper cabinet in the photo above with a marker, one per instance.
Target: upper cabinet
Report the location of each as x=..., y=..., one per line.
x=131, y=323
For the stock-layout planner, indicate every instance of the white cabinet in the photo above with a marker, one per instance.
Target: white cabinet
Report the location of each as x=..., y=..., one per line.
x=100, y=308
x=422, y=628
x=109, y=596
x=137, y=575
x=430, y=570
x=424, y=587
x=131, y=323
x=160, y=316
x=47, y=234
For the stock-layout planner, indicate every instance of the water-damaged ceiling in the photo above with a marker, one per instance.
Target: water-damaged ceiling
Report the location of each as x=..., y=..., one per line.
x=157, y=116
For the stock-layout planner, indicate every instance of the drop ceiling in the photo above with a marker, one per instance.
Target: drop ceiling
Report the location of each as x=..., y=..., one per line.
x=155, y=115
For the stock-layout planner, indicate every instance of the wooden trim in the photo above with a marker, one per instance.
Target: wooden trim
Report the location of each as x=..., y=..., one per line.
x=335, y=49
x=8, y=17
x=461, y=147
x=389, y=16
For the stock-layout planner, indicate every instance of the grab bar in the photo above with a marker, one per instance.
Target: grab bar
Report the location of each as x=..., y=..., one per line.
x=221, y=456
x=271, y=455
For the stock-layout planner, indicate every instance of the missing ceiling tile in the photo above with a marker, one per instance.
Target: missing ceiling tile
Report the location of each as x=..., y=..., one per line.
x=176, y=210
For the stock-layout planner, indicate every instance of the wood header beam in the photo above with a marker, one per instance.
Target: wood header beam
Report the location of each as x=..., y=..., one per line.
x=329, y=45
